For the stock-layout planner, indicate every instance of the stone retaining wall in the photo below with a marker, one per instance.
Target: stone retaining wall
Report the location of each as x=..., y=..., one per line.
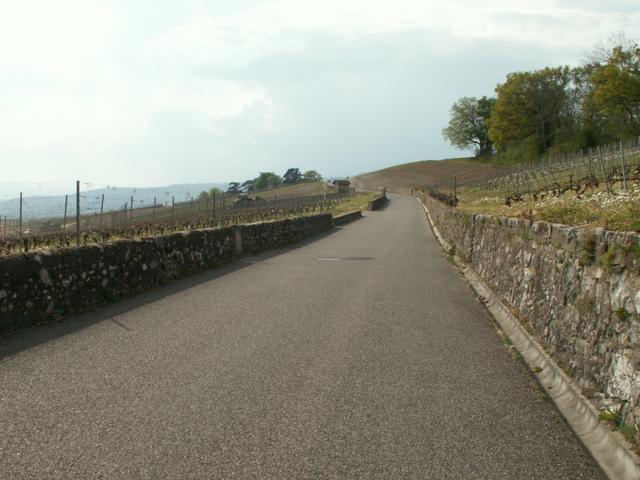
x=347, y=217
x=258, y=237
x=576, y=290
x=378, y=202
x=38, y=287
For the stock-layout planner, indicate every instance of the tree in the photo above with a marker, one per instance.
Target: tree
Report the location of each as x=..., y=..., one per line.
x=590, y=122
x=292, y=175
x=468, y=125
x=266, y=180
x=248, y=186
x=215, y=192
x=234, y=188
x=616, y=90
x=203, y=196
x=311, y=176
x=532, y=108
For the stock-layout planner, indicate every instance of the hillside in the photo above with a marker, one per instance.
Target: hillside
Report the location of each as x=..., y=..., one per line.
x=114, y=198
x=402, y=178
x=288, y=191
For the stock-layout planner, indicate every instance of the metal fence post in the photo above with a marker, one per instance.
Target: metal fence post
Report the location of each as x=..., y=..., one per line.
x=101, y=210
x=77, y=213
x=64, y=219
x=624, y=175
x=20, y=224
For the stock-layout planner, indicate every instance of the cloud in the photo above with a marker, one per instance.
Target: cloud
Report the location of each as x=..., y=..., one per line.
x=262, y=84
x=69, y=79
x=279, y=26
x=56, y=39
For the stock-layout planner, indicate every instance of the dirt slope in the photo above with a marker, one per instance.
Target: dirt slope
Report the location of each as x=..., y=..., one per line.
x=296, y=190
x=402, y=178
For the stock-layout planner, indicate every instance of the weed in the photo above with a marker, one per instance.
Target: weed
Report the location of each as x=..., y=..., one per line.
x=588, y=249
x=632, y=248
x=164, y=279
x=622, y=314
x=628, y=431
x=606, y=259
x=608, y=416
x=617, y=423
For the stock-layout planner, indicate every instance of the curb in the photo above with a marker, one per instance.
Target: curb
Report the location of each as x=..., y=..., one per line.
x=608, y=448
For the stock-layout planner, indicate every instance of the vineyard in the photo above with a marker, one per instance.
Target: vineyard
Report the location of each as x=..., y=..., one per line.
x=611, y=168
x=597, y=186
x=98, y=228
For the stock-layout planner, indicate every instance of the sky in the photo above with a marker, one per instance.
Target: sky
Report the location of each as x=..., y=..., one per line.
x=157, y=92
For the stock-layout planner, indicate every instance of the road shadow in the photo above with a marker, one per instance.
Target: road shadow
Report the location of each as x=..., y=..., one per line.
x=30, y=337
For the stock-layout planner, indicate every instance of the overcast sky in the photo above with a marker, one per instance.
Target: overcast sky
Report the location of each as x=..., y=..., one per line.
x=152, y=92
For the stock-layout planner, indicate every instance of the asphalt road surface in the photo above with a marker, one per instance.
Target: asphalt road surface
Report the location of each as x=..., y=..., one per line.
x=361, y=354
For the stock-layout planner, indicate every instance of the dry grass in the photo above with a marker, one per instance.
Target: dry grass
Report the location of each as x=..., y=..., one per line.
x=402, y=178
x=358, y=201
x=297, y=190
x=615, y=211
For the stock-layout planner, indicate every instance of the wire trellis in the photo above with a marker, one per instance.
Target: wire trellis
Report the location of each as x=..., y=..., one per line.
x=101, y=218
x=611, y=167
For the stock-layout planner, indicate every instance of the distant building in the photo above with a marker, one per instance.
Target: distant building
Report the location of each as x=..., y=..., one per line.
x=343, y=186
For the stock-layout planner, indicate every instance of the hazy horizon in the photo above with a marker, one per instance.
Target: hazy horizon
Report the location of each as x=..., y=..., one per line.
x=152, y=94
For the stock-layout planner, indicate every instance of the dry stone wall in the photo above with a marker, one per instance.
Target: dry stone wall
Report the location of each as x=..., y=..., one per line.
x=43, y=286
x=378, y=202
x=576, y=290
x=257, y=237
x=347, y=217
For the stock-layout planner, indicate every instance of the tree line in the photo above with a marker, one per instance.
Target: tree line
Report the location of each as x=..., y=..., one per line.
x=265, y=181
x=554, y=109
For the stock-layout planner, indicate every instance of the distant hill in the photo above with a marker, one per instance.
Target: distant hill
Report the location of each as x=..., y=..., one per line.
x=402, y=178
x=115, y=198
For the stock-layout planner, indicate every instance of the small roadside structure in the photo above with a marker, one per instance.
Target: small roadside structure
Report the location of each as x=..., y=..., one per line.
x=343, y=186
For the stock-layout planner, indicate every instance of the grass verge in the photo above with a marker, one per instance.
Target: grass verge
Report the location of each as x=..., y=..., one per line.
x=598, y=208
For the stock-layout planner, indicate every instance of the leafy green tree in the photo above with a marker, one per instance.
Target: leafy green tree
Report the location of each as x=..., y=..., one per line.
x=616, y=92
x=534, y=108
x=467, y=127
x=267, y=180
x=311, y=176
x=292, y=175
x=234, y=188
x=590, y=122
x=203, y=196
x=215, y=192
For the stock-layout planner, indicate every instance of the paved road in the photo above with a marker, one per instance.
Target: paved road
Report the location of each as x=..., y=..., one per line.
x=288, y=365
